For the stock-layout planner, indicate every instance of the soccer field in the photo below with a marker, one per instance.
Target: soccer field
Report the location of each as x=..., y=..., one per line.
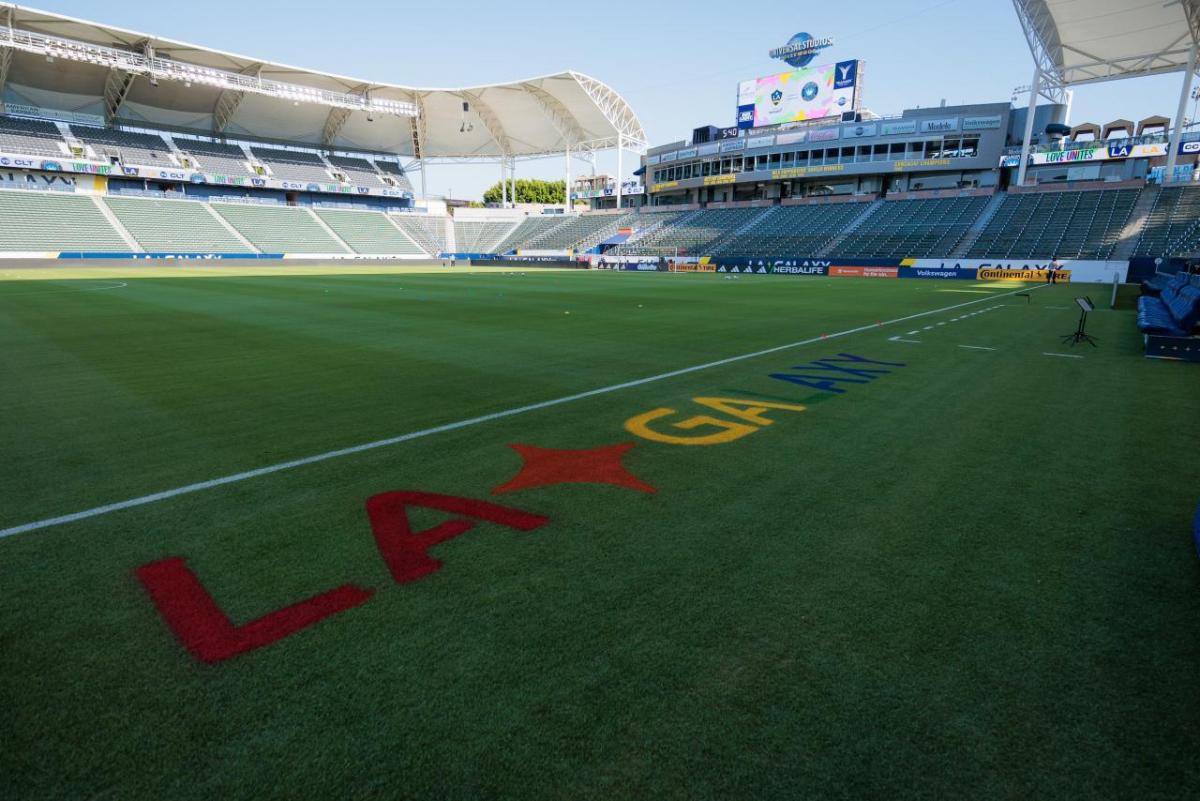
x=886, y=539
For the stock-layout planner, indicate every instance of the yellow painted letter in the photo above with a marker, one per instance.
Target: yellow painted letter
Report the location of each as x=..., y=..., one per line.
x=728, y=432
x=750, y=411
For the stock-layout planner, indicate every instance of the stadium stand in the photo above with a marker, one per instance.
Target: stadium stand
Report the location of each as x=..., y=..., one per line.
x=529, y=229
x=293, y=165
x=215, y=157
x=279, y=229
x=912, y=228
x=479, y=236
x=427, y=231
x=395, y=172
x=572, y=232
x=357, y=171
x=32, y=137
x=1044, y=225
x=788, y=230
x=46, y=221
x=695, y=233
x=368, y=232
x=179, y=226
x=126, y=146
x=1173, y=224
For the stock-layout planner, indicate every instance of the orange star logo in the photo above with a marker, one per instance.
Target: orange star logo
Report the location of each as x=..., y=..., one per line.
x=549, y=466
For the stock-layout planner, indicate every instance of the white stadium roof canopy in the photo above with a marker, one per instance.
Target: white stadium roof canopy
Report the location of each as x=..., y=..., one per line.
x=62, y=63
x=1087, y=41
x=1076, y=42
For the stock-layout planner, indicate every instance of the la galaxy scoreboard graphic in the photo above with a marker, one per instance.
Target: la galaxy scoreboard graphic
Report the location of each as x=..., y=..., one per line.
x=813, y=93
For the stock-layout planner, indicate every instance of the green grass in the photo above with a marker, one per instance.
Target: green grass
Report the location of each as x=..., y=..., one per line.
x=970, y=578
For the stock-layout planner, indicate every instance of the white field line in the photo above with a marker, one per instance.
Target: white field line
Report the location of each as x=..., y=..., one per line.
x=975, y=347
x=426, y=432
x=119, y=284
x=1059, y=355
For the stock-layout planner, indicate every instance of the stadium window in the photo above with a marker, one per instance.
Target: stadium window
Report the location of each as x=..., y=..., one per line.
x=847, y=155
x=787, y=159
x=760, y=163
x=970, y=147
x=951, y=149
x=706, y=168
x=896, y=150
x=933, y=148
x=776, y=159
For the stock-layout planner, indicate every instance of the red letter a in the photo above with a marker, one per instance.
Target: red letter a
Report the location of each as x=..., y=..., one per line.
x=405, y=551
x=209, y=634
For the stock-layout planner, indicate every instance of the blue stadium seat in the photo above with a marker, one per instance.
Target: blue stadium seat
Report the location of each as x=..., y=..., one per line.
x=1175, y=313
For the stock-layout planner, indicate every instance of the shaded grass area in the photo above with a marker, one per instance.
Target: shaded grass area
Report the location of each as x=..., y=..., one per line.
x=968, y=577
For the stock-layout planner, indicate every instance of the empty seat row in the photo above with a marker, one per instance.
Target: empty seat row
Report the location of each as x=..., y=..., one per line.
x=1174, y=313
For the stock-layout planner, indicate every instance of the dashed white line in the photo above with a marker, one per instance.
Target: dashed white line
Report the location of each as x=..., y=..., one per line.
x=975, y=347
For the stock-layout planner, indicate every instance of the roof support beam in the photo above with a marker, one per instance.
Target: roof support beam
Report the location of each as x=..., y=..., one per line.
x=629, y=129
x=116, y=88
x=490, y=121
x=566, y=125
x=229, y=100
x=6, y=57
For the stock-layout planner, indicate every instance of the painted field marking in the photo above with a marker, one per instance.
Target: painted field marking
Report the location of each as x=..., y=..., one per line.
x=927, y=328
x=911, y=333
x=426, y=432
x=898, y=339
x=119, y=285
x=1059, y=355
x=975, y=347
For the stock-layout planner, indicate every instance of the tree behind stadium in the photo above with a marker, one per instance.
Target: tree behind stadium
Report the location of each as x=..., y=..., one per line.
x=531, y=191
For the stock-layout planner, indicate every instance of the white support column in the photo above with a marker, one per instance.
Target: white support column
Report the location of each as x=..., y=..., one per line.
x=569, y=204
x=620, y=165
x=1033, y=96
x=424, y=195
x=512, y=174
x=1177, y=126
x=503, y=186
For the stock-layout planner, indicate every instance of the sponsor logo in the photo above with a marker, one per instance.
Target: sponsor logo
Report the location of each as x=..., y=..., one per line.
x=1189, y=148
x=777, y=96
x=1119, y=150
x=1019, y=274
x=13, y=161
x=800, y=50
x=809, y=92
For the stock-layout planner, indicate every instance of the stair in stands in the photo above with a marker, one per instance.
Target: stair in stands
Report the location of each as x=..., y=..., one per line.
x=964, y=245
x=1132, y=231
x=121, y=230
x=854, y=225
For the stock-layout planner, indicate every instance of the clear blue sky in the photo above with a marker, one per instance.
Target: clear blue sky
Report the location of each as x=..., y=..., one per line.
x=677, y=63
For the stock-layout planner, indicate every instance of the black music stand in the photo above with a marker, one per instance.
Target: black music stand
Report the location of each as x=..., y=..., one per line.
x=1080, y=335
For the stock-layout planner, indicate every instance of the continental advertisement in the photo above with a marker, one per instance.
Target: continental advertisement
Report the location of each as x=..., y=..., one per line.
x=1020, y=274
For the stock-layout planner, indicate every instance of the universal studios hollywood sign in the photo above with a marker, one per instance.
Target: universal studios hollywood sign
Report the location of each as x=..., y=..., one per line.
x=801, y=49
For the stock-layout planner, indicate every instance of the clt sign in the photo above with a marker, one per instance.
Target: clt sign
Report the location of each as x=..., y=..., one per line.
x=800, y=50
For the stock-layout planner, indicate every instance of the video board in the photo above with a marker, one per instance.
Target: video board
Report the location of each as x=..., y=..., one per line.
x=808, y=94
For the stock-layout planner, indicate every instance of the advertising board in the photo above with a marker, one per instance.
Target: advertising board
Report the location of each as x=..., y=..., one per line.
x=806, y=94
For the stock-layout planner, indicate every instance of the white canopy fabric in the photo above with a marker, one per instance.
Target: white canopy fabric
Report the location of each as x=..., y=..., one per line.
x=1087, y=41
x=58, y=62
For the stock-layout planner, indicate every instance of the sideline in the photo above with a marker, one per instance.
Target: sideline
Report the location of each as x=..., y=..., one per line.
x=487, y=418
